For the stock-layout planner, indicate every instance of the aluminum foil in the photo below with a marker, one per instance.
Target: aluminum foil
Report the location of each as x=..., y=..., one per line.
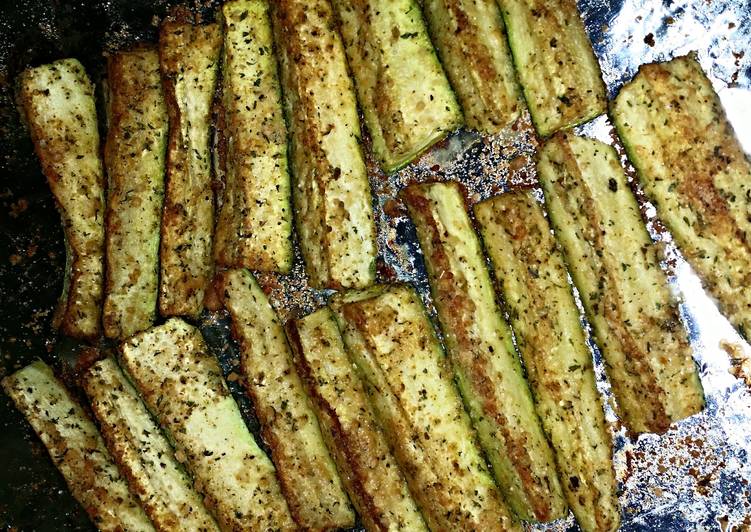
x=694, y=477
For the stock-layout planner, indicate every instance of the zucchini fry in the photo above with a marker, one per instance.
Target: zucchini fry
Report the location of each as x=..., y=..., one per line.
x=134, y=157
x=254, y=226
x=333, y=205
x=76, y=448
x=615, y=266
x=189, y=56
x=403, y=92
x=419, y=409
x=694, y=170
x=143, y=454
x=182, y=384
x=305, y=469
x=58, y=103
x=480, y=348
x=557, y=68
x=471, y=41
x=370, y=472
x=530, y=270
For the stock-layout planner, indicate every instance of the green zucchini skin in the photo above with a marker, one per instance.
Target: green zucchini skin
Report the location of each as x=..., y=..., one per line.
x=369, y=470
x=182, y=385
x=142, y=452
x=402, y=89
x=76, y=448
x=555, y=63
x=331, y=192
x=306, y=472
x=417, y=405
x=480, y=348
x=695, y=171
x=254, y=224
x=470, y=38
x=134, y=157
x=530, y=270
x=58, y=103
x=616, y=268
x=189, y=57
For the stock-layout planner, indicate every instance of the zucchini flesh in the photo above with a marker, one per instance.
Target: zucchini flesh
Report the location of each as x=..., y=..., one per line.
x=405, y=97
x=254, y=226
x=58, y=103
x=143, y=454
x=305, y=469
x=479, y=346
x=530, y=270
x=694, y=170
x=419, y=409
x=333, y=205
x=189, y=56
x=76, y=448
x=557, y=68
x=471, y=41
x=134, y=156
x=182, y=384
x=370, y=472
x=615, y=266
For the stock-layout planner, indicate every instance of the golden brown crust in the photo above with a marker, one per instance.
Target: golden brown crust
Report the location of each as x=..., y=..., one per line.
x=333, y=205
x=134, y=154
x=520, y=454
x=616, y=268
x=58, y=103
x=189, y=56
x=368, y=469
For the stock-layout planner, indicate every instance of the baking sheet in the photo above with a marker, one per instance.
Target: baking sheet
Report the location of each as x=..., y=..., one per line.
x=695, y=477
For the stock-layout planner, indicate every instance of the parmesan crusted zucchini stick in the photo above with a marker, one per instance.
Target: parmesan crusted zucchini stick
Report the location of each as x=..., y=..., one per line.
x=189, y=56
x=480, y=348
x=254, y=226
x=58, y=102
x=306, y=472
x=333, y=206
x=76, y=448
x=182, y=384
x=616, y=268
x=530, y=270
x=143, y=453
x=558, y=70
x=471, y=42
x=694, y=170
x=403, y=92
x=391, y=340
x=369, y=470
x=134, y=157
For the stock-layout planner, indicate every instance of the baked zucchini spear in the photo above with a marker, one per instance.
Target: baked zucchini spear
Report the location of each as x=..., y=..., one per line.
x=694, y=170
x=370, y=472
x=471, y=41
x=419, y=409
x=58, y=103
x=182, y=384
x=142, y=452
x=76, y=448
x=254, y=226
x=555, y=63
x=307, y=474
x=134, y=156
x=405, y=97
x=530, y=271
x=333, y=205
x=616, y=268
x=481, y=351
x=189, y=56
